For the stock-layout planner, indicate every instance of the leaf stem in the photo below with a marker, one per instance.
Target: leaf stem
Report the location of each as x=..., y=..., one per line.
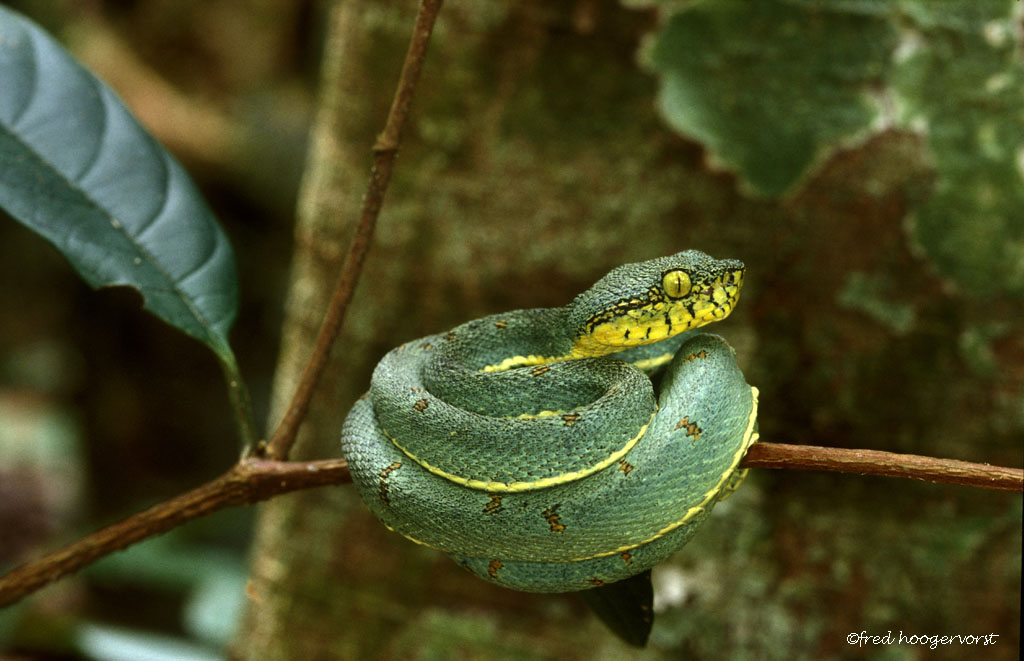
x=241, y=404
x=384, y=151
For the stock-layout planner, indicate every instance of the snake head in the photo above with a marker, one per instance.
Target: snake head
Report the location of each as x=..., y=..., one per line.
x=650, y=301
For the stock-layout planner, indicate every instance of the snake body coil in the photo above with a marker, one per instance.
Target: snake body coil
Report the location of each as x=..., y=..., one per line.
x=529, y=445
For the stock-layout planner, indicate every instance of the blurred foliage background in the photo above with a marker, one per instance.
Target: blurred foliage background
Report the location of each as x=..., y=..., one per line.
x=864, y=158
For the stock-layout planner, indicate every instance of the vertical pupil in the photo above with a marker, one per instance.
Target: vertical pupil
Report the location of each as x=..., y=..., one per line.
x=676, y=283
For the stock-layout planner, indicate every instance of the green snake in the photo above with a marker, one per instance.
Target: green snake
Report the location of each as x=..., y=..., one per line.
x=530, y=446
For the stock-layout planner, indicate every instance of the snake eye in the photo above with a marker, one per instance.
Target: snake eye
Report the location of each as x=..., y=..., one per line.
x=676, y=283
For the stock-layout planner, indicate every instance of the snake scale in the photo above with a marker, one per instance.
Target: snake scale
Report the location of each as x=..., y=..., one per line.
x=530, y=446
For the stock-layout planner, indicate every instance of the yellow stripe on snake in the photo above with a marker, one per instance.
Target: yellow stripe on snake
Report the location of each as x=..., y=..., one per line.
x=529, y=445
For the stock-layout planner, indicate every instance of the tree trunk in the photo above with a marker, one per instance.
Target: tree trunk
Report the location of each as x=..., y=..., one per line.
x=290, y=613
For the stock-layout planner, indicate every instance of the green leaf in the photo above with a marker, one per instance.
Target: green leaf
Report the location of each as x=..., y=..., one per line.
x=771, y=88
x=77, y=168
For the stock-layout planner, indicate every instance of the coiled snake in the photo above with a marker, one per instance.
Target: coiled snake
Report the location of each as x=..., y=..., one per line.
x=529, y=445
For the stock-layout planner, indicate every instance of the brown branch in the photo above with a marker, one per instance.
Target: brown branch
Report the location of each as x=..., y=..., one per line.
x=886, y=464
x=248, y=482
x=255, y=480
x=384, y=151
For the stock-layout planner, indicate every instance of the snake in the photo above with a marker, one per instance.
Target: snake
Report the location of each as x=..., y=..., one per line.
x=532, y=446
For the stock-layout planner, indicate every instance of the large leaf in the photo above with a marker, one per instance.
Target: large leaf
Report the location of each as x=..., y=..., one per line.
x=78, y=169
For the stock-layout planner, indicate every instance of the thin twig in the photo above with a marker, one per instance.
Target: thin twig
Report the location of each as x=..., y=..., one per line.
x=384, y=151
x=248, y=482
x=255, y=480
x=887, y=464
